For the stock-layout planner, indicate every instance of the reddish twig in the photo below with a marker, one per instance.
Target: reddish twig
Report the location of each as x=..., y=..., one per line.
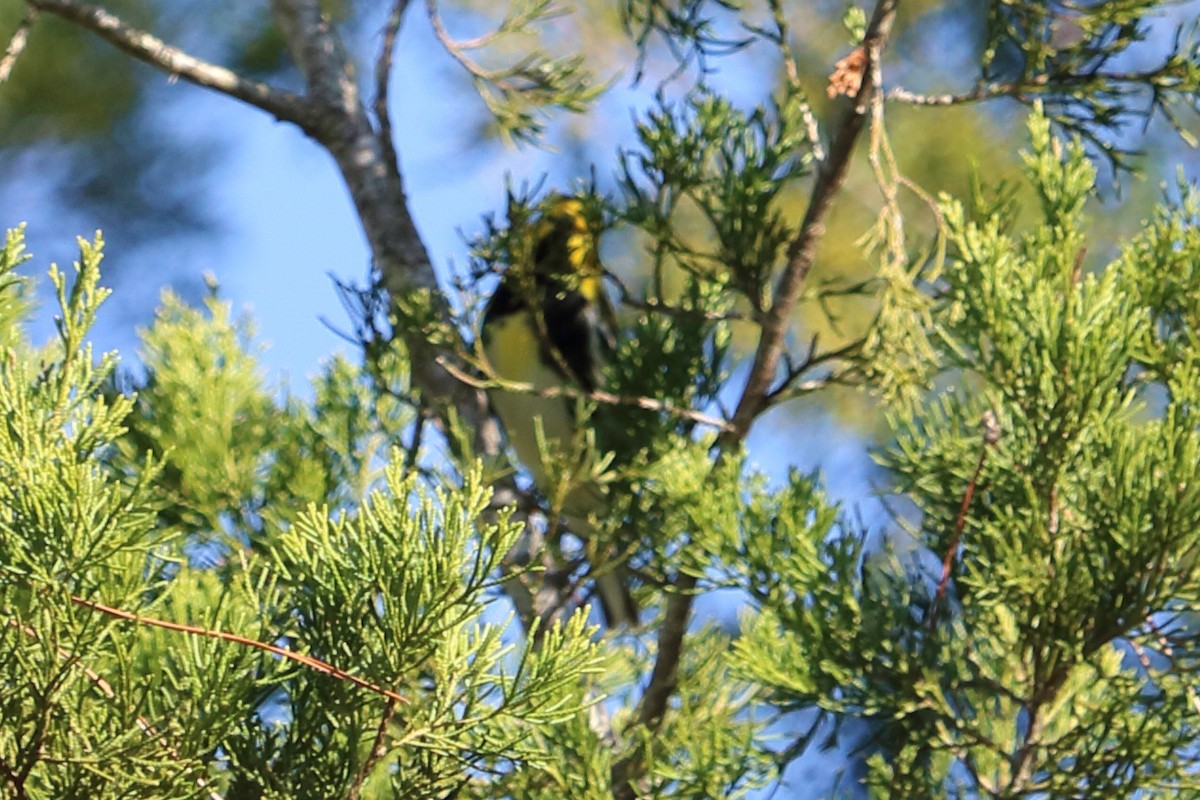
x=308, y=661
x=991, y=435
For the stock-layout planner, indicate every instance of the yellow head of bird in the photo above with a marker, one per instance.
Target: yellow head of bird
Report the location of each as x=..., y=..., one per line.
x=565, y=244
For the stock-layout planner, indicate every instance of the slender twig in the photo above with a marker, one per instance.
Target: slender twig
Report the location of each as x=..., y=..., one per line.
x=378, y=750
x=628, y=298
x=146, y=47
x=792, y=71
x=991, y=435
x=17, y=42
x=984, y=91
x=787, y=388
x=291, y=655
x=449, y=42
x=455, y=48
x=597, y=396
x=1038, y=84
x=383, y=77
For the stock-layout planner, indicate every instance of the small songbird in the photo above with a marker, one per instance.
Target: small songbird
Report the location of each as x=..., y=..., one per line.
x=550, y=324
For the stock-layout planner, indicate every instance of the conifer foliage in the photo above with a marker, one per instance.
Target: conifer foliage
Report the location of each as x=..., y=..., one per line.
x=212, y=587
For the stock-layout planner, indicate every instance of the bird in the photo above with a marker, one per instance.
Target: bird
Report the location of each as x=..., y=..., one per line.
x=550, y=324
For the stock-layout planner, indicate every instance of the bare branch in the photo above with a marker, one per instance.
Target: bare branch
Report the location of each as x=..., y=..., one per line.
x=984, y=91
x=16, y=43
x=383, y=77
x=455, y=48
x=146, y=47
x=1037, y=85
x=781, y=37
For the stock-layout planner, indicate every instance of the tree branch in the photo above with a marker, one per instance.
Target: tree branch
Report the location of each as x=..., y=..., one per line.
x=17, y=42
x=377, y=188
x=14, y=780
x=802, y=251
x=378, y=750
x=148, y=48
x=801, y=254
x=383, y=77
x=1037, y=85
x=596, y=396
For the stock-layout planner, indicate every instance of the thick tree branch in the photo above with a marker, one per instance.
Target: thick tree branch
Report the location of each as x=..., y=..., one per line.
x=146, y=47
x=366, y=159
x=333, y=114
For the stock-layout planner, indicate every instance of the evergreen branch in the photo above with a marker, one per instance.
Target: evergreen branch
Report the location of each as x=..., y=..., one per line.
x=17, y=42
x=106, y=689
x=378, y=750
x=312, y=663
x=146, y=47
x=533, y=82
x=991, y=435
x=802, y=251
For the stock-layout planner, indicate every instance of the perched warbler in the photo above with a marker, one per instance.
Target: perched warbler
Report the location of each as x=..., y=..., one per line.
x=549, y=325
